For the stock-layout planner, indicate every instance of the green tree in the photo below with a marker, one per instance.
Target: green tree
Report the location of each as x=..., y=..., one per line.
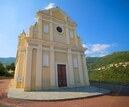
x=2, y=69
x=10, y=67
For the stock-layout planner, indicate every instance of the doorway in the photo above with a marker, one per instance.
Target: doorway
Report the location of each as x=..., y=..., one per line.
x=62, y=82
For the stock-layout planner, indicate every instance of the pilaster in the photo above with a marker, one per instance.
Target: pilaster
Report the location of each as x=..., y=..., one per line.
x=17, y=67
x=52, y=67
x=51, y=31
x=40, y=29
x=80, y=68
x=67, y=34
x=86, y=71
x=27, y=79
x=76, y=41
x=51, y=28
x=70, y=67
x=39, y=68
x=30, y=32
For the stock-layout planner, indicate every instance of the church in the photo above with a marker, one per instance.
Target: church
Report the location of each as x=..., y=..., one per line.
x=51, y=54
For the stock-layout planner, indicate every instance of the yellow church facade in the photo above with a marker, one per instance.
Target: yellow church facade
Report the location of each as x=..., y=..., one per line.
x=51, y=55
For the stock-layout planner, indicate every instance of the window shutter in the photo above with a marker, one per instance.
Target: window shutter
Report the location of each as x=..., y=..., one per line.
x=46, y=28
x=75, y=62
x=71, y=35
x=45, y=60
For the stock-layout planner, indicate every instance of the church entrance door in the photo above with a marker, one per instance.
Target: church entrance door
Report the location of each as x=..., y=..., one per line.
x=62, y=75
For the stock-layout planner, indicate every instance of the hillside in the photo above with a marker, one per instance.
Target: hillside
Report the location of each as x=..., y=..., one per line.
x=91, y=60
x=111, y=68
x=7, y=60
x=113, y=58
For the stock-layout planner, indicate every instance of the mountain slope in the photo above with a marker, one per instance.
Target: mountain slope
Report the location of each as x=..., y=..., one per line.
x=7, y=60
x=99, y=69
x=113, y=58
x=91, y=60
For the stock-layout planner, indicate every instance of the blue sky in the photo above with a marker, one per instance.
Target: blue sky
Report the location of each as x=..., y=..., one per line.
x=103, y=25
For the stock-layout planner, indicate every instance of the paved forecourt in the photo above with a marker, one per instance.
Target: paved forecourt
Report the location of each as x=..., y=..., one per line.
x=57, y=94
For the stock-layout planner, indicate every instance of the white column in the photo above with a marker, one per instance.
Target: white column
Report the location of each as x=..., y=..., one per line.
x=17, y=66
x=67, y=34
x=30, y=32
x=76, y=38
x=86, y=71
x=27, y=80
x=40, y=29
x=39, y=68
x=51, y=28
x=51, y=31
x=24, y=66
x=52, y=67
x=70, y=67
x=15, y=75
x=80, y=68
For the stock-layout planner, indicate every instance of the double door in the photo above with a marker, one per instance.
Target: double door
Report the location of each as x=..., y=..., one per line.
x=62, y=82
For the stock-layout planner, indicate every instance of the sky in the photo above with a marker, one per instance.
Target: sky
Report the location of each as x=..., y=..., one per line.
x=103, y=25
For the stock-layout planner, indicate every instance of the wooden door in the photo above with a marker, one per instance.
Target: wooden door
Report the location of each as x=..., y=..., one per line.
x=62, y=75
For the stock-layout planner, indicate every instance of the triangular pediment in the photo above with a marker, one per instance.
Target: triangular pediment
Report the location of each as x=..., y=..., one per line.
x=58, y=13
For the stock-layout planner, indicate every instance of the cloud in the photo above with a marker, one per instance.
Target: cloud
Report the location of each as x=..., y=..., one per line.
x=49, y=6
x=97, y=50
x=99, y=47
x=84, y=45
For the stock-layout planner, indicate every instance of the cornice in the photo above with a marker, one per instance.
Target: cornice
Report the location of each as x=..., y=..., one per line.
x=52, y=43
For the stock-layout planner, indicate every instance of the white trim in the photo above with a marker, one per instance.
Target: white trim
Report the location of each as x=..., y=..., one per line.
x=67, y=76
x=47, y=42
x=48, y=49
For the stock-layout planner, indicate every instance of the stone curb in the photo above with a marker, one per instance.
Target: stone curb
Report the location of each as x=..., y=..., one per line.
x=58, y=95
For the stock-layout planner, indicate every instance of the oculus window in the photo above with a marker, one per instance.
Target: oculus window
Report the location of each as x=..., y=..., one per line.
x=59, y=29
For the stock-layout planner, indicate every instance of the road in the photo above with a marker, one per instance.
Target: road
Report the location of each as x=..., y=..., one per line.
x=118, y=98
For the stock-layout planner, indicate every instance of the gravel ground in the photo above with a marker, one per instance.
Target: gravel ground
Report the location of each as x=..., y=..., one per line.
x=118, y=98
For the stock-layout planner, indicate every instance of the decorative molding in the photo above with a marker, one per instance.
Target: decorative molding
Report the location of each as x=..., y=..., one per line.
x=48, y=49
x=41, y=42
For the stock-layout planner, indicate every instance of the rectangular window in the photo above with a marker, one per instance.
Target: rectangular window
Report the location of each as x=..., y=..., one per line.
x=75, y=62
x=45, y=28
x=71, y=35
x=45, y=60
